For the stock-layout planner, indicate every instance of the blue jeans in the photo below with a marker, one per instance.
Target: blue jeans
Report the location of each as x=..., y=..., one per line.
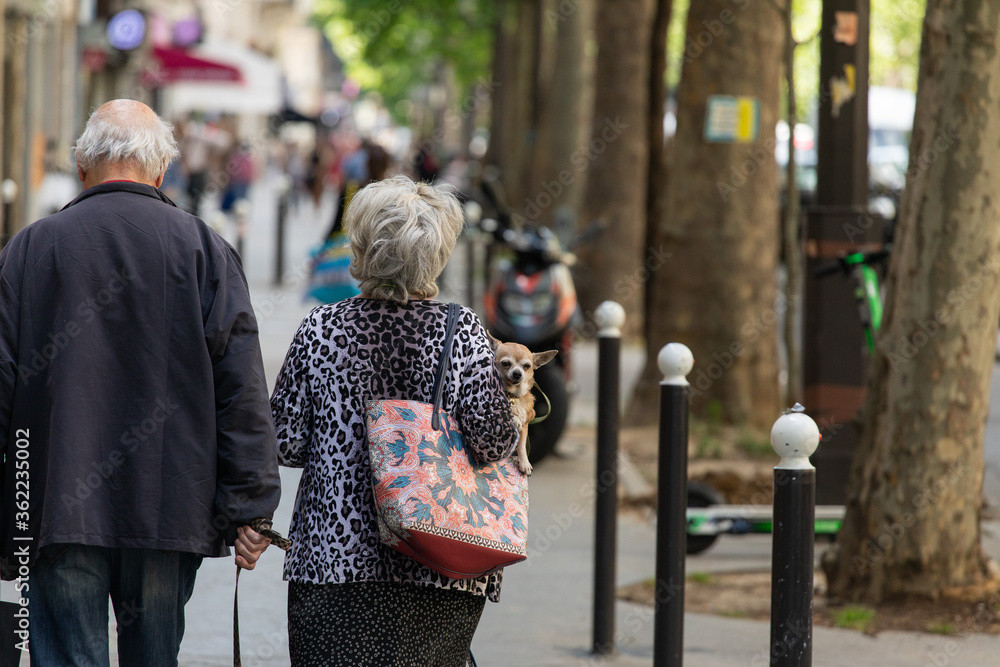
x=68, y=595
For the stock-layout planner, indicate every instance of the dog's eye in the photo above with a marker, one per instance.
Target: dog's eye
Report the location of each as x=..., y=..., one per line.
x=505, y=363
x=526, y=365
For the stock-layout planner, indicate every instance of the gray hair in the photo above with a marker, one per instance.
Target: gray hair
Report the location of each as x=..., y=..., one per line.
x=402, y=234
x=127, y=132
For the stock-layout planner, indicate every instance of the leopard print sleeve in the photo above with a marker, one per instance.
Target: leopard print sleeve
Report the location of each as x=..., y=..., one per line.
x=291, y=401
x=483, y=409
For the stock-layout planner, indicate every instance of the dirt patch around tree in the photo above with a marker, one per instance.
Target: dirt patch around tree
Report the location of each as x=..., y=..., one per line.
x=741, y=467
x=748, y=595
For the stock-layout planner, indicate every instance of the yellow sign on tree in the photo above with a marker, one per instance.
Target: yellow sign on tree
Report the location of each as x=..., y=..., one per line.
x=731, y=119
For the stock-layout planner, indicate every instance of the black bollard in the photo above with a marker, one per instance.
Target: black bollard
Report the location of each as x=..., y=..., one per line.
x=671, y=506
x=795, y=437
x=610, y=316
x=279, y=241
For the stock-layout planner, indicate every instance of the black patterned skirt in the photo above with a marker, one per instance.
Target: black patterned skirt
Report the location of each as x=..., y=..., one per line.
x=380, y=624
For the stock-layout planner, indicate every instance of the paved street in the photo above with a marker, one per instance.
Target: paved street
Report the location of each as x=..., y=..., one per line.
x=544, y=617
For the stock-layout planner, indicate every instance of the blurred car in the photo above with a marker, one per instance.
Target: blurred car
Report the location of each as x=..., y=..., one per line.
x=890, y=122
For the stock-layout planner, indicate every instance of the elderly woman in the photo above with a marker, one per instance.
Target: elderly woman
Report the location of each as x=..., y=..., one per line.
x=351, y=599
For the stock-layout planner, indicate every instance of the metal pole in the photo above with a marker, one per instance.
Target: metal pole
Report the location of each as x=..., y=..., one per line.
x=794, y=437
x=242, y=210
x=675, y=362
x=279, y=244
x=610, y=317
x=470, y=267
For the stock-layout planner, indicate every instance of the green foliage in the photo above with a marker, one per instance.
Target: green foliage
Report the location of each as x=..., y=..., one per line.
x=854, y=618
x=896, y=27
x=393, y=47
x=754, y=444
x=941, y=628
x=714, y=414
x=700, y=577
x=896, y=30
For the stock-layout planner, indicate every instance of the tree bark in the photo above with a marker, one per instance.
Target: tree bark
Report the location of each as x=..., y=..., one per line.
x=913, y=512
x=572, y=105
x=616, y=159
x=715, y=289
x=513, y=112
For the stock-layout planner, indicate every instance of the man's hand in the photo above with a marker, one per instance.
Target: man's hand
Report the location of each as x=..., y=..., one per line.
x=249, y=546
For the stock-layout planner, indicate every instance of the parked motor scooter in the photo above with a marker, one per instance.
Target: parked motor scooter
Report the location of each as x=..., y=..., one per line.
x=530, y=299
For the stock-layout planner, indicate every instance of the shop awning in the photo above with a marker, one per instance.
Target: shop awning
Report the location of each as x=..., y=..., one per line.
x=259, y=93
x=176, y=65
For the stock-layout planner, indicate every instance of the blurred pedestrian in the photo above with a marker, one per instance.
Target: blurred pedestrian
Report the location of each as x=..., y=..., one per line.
x=366, y=165
x=426, y=164
x=131, y=377
x=201, y=141
x=351, y=599
x=240, y=172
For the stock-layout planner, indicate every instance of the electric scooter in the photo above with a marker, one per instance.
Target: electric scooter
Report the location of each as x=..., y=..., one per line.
x=707, y=515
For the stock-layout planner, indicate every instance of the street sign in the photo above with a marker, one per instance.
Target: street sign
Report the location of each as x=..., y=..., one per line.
x=732, y=119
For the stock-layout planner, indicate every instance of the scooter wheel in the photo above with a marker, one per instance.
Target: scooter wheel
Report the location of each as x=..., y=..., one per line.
x=543, y=436
x=701, y=495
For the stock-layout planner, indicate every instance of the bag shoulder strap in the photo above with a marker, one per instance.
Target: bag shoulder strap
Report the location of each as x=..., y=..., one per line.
x=442, y=369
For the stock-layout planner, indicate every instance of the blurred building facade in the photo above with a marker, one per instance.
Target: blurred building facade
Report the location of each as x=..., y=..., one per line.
x=60, y=61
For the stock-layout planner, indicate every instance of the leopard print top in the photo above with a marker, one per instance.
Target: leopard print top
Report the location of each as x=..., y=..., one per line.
x=342, y=355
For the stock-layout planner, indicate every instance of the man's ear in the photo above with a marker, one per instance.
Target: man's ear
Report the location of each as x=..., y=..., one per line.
x=159, y=179
x=494, y=343
x=542, y=358
x=80, y=172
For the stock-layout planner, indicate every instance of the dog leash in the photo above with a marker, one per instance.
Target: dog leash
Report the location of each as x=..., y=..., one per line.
x=548, y=404
x=263, y=527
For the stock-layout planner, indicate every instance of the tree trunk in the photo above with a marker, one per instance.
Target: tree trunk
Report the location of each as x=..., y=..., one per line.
x=617, y=155
x=513, y=113
x=913, y=512
x=571, y=107
x=715, y=290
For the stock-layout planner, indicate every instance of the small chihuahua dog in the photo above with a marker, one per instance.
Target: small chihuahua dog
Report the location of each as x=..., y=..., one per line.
x=517, y=366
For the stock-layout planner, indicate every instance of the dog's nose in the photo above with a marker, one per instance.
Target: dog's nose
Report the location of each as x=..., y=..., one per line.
x=517, y=373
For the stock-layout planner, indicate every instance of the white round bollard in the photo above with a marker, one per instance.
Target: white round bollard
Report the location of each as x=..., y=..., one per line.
x=609, y=316
x=795, y=437
x=8, y=190
x=675, y=361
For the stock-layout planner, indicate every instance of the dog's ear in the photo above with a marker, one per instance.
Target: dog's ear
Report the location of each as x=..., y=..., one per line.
x=542, y=358
x=494, y=343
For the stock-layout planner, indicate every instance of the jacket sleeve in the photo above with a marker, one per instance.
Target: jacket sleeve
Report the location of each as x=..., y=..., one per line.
x=10, y=318
x=483, y=407
x=247, y=485
x=291, y=402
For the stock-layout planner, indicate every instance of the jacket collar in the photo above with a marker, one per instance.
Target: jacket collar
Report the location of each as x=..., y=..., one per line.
x=121, y=186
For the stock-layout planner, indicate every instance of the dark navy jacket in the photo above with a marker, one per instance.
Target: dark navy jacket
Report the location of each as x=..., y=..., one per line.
x=133, y=406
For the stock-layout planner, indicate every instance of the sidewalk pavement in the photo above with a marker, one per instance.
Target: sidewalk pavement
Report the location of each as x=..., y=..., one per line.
x=544, y=616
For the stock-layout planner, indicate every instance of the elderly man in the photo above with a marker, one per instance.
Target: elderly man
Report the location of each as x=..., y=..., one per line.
x=135, y=429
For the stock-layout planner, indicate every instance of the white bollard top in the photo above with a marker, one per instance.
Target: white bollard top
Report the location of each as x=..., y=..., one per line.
x=8, y=190
x=610, y=316
x=795, y=437
x=676, y=361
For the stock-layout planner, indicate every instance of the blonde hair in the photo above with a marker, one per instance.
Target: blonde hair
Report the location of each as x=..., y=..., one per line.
x=402, y=234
